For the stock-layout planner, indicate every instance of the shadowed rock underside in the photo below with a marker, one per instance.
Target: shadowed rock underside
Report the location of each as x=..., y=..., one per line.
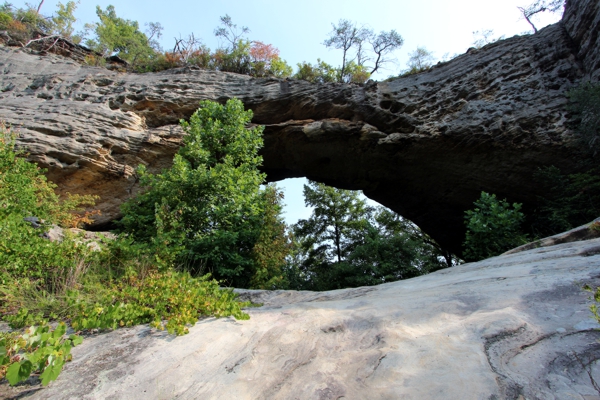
x=424, y=145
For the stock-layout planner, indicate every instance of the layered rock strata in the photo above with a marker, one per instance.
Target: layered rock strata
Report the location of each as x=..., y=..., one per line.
x=424, y=145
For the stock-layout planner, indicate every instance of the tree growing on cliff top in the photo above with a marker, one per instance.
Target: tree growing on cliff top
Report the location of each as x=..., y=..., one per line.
x=419, y=60
x=122, y=37
x=540, y=6
x=369, y=51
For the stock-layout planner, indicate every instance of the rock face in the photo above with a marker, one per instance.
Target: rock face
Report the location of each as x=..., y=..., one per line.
x=511, y=327
x=424, y=145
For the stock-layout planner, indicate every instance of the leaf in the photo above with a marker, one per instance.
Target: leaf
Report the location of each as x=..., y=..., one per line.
x=60, y=330
x=18, y=372
x=76, y=339
x=52, y=371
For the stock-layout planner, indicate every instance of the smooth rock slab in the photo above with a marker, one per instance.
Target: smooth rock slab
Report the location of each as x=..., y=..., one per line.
x=510, y=327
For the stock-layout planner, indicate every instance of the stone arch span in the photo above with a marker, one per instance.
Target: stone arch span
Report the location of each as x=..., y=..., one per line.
x=424, y=145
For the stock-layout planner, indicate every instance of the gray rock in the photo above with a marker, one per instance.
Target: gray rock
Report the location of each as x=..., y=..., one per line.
x=504, y=328
x=583, y=232
x=425, y=145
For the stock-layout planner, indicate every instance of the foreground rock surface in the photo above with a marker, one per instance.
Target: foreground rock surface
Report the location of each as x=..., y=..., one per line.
x=425, y=145
x=511, y=327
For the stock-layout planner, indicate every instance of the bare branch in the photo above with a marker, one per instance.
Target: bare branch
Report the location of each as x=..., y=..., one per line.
x=57, y=37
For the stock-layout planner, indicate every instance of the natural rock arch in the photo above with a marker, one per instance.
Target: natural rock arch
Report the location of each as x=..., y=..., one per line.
x=424, y=145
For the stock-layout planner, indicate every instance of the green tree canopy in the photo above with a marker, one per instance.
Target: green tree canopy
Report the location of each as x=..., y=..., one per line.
x=207, y=212
x=121, y=37
x=346, y=243
x=337, y=216
x=493, y=227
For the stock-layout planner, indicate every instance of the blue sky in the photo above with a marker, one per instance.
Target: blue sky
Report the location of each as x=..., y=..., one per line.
x=299, y=28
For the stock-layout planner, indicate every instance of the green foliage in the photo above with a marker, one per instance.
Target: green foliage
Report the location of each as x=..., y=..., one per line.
x=596, y=300
x=25, y=192
x=346, y=243
x=120, y=37
x=585, y=106
x=322, y=72
x=23, y=24
x=353, y=73
x=273, y=244
x=116, y=286
x=493, y=227
x=419, y=61
x=337, y=216
x=237, y=59
x=167, y=300
x=5, y=20
x=280, y=69
x=361, y=45
x=568, y=201
x=40, y=349
x=62, y=22
x=319, y=73
x=207, y=212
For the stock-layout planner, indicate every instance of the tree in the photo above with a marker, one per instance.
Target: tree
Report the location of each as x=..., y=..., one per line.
x=318, y=73
x=273, y=244
x=493, y=227
x=230, y=31
x=266, y=61
x=346, y=243
x=347, y=35
x=383, y=44
x=122, y=37
x=567, y=201
x=337, y=215
x=206, y=213
x=391, y=249
x=539, y=6
x=62, y=22
x=419, y=60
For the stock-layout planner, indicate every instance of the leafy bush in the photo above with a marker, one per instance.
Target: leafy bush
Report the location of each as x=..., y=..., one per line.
x=318, y=73
x=596, y=300
x=39, y=349
x=493, y=227
x=322, y=72
x=25, y=192
x=40, y=279
x=169, y=296
x=207, y=213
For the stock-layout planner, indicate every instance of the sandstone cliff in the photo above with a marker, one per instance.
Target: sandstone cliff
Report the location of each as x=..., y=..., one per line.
x=424, y=145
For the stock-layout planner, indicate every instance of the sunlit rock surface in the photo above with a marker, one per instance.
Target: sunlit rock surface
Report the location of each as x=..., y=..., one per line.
x=424, y=145
x=512, y=327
